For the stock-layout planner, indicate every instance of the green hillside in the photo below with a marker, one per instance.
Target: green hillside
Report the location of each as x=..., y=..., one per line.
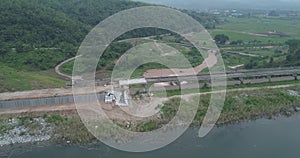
x=49, y=31
x=14, y=80
x=36, y=35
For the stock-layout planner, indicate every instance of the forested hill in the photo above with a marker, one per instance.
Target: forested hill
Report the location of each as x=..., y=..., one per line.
x=90, y=12
x=53, y=23
x=38, y=34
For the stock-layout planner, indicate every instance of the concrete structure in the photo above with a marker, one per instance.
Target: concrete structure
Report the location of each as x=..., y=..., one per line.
x=132, y=82
x=237, y=77
x=109, y=98
x=122, y=98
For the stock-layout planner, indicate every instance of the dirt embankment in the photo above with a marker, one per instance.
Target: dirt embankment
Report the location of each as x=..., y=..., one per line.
x=46, y=93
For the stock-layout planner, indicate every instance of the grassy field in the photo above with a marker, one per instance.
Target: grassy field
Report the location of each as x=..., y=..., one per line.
x=249, y=29
x=173, y=57
x=236, y=35
x=14, y=80
x=257, y=32
x=233, y=59
x=191, y=91
x=67, y=68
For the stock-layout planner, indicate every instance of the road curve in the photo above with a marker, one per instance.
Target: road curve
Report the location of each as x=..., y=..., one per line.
x=57, y=68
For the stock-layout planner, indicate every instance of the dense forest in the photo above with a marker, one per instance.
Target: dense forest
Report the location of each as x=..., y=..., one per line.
x=38, y=34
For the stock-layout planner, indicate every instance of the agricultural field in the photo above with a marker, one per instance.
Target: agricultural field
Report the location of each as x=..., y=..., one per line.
x=265, y=30
x=258, y=42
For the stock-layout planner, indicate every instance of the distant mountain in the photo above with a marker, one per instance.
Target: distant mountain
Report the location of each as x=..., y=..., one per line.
x=230, y=4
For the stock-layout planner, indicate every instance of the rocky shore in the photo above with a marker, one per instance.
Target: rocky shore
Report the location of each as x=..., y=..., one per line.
x=25, y=130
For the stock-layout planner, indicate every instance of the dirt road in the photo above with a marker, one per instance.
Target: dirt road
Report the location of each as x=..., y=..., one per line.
x=57, y=68
x=48, y=93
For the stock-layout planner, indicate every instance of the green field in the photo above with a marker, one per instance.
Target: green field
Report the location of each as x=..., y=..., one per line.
x=263, y=36
x=246, y=28
x=14, y=80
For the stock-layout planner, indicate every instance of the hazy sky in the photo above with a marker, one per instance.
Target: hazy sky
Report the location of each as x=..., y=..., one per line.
x=245, y=4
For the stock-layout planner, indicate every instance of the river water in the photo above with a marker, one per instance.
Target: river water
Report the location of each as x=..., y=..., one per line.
x=278, y=138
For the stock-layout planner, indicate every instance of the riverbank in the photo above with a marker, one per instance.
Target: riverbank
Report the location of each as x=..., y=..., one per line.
x=56, y=127
x=21, y=130
x=59, y=127
x=272, y=138
x=247, y=104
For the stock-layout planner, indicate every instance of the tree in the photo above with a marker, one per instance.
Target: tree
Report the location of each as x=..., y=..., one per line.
x=273, y=13
x=252, y=64
x=221, y=39
x=294, y=45
x=238, y=42
x=293, y=57
x=271, y=60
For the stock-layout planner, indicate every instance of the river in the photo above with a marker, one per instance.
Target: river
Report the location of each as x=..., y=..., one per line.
x=278, y=138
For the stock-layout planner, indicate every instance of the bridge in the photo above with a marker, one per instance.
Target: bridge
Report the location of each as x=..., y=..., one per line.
x=245, y=74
